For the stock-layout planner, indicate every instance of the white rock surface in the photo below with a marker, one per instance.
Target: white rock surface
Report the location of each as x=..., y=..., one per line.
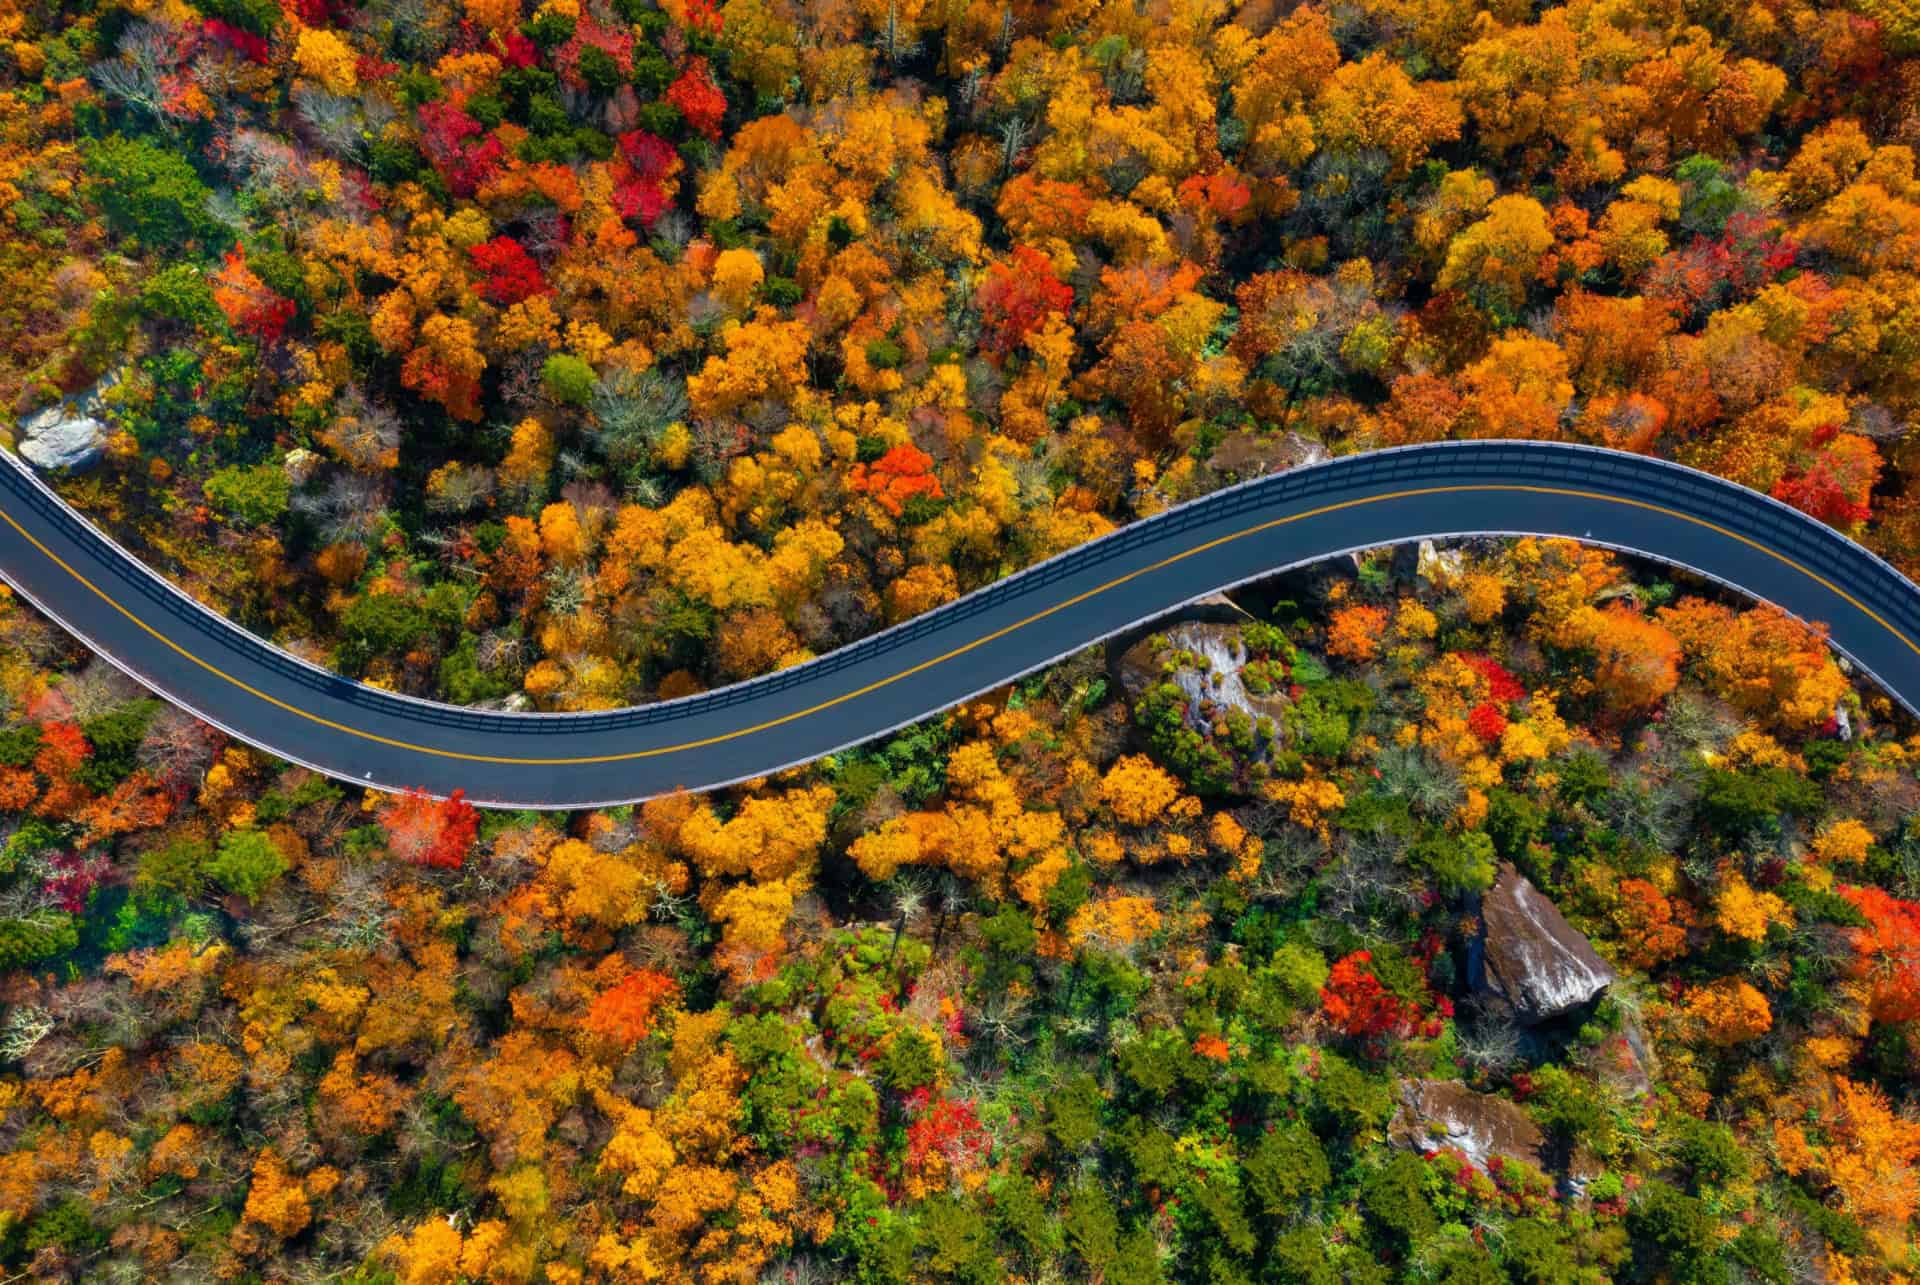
x=68, y=434
x=54, y=439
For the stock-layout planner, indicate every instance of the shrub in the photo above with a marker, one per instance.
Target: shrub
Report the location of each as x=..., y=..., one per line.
x=151, y=194
x=379, y=623
x=177, y=866
x=1674, y=1236
x=115, y=737
x=179, y=292
x=1073, y=1112
x=1301, y=971
x=253, y=495
x=31, y=938
x=246, y=863
x=1287, y=1168
x=568, y=379
x=1396, y=1203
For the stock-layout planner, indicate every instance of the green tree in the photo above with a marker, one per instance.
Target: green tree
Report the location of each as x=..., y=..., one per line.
x=1395, y=1200
x=151, y=194
x=1675, y=1237
x=1287, y=1168
x=568, y=379
x=246, y=863
x=179, y=292
x=252, y=494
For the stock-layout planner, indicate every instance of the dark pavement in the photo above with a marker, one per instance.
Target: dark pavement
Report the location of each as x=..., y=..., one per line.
x=228, y=677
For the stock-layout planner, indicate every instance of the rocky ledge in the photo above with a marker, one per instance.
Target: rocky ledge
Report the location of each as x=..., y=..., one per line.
x=68, y=435
x=1528, y=957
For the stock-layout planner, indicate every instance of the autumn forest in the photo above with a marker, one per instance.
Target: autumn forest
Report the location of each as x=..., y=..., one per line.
x=1500, y=911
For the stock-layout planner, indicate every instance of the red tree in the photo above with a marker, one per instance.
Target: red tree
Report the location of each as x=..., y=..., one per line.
x=639, y=186
x=700, y=101
x=1019, y=292
x=624, y=1013
x=1837, y=483
x=1487, y=722
x=453, y=143
x=431, y=832
x=1887, y=953
x=947, y=1128
x=1501, y=685
x=512, y=275
x=896, y=477
x=1359, y=1005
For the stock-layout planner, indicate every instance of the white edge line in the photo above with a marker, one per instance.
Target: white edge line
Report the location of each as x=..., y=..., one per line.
x=220, y=619
x=1005, y=681
x=363, y=782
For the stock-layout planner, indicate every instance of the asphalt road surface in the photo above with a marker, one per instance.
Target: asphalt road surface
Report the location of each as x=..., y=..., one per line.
x=225, y=675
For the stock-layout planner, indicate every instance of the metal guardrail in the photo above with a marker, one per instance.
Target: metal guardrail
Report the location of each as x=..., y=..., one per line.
x=1652, y=481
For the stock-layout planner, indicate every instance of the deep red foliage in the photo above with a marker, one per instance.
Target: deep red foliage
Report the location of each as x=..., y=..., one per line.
x=704, y=15
x=614, y=42
x=515, y=50
x=451, y=139
x=947, y=1128
x=1487, y=722
x=1358, y=1005
x=512, y=275
x=73, y=878
x=249, y=46
x=651, y=156
x=1745, y=256
x=1501, y=685
x=1837, y=483
x=699, y=100
x=318, y=13
x=1019, y=292
x=639, y=190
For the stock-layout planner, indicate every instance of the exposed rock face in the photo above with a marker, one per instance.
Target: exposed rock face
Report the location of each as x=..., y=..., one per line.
x=1435, y=563
x=1250, y=455
x=1219, y=683
x=1440, y=1114
x=57, y=438
x=1529, y=957
x=67, y=435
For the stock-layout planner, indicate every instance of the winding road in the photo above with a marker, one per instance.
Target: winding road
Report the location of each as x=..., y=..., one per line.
x=197, y=659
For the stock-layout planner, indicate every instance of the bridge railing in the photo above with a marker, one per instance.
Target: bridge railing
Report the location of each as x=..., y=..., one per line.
x=1744, y=513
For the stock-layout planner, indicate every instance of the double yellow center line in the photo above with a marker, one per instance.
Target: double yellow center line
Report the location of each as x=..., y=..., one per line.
x=1116, y=583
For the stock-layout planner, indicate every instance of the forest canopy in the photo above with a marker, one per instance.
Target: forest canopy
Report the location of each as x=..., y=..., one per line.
x=567, y=354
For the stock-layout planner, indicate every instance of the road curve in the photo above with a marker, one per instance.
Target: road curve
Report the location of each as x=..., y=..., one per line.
x=199, y=660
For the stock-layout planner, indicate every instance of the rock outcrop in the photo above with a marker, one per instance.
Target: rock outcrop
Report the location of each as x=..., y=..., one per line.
x=1528, y=958
x=1216, y=683
x=1242, y=456
x=67, y=435
x=58, y=438
x=1437, y=1115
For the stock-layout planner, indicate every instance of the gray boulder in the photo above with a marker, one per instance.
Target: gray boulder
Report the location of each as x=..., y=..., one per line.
x=67, y=435
x=57, y=439
x=1528, y=958
x=1435, y=1115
